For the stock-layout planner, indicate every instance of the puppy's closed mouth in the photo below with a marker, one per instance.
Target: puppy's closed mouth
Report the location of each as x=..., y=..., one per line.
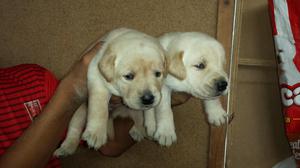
x=142, y=107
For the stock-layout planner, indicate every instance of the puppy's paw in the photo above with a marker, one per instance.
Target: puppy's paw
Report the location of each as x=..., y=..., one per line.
x=66, y=148
x=165, y=135
x=217, y=117
x=137, y=133
x=95, y=139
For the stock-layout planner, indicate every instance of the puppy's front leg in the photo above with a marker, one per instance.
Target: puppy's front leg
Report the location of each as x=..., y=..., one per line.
x=165, y=133
x=215, y=112
x=95, y=133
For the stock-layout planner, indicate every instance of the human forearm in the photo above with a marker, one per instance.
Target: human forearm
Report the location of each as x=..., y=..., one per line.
x=36, y=145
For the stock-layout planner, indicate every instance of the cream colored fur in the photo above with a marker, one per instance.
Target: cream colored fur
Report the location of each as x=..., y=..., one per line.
x=185, y=51
x=125, y=53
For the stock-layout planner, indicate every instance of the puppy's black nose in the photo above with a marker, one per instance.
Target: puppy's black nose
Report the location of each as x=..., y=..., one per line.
x=147, y=98
x=221, y=85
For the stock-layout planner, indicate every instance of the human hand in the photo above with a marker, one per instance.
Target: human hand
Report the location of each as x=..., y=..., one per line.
x=76, y=78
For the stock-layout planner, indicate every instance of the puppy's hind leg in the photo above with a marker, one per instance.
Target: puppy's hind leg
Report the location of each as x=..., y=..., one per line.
x=137, y=131
x=75, y=128
x=150, y=122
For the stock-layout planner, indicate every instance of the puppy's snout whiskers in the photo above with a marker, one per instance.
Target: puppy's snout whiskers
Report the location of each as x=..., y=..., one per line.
x=209, y=87
x=207, y=90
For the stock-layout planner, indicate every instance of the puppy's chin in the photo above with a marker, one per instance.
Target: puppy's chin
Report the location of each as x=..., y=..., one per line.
x=138, y=106
x=208, y=93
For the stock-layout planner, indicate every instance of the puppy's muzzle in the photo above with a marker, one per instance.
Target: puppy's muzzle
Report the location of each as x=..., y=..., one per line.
x=221, y=85
x=147, y=98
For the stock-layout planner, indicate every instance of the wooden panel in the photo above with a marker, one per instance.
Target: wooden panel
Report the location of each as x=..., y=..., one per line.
x=257, y=41
x=256, y=135
x=256, y=62
x=217, y=153
x=256, y=138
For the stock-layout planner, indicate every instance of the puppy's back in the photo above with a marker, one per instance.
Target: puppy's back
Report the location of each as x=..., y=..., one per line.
x=125, y=33
x=116, y=33
x=168, y=38
x=132, y=40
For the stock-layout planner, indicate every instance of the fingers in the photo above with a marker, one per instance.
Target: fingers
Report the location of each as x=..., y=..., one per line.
x=95, y=45
x=94, y=49
x=91, y=52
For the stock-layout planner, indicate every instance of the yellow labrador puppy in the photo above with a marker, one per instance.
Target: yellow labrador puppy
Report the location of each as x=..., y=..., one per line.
x=131, y=65
x=195, y=66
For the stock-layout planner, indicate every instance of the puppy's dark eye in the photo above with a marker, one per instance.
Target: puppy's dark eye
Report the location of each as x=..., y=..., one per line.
x=129, y=76
x=157, y=74
x=200, y=66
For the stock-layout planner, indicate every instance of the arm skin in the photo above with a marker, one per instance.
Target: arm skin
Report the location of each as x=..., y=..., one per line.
x=37, y=144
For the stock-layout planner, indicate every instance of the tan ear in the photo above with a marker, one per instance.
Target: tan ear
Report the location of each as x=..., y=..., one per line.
x=175, y=66
x=107, y=64
x=165, y=71
x=165, y=63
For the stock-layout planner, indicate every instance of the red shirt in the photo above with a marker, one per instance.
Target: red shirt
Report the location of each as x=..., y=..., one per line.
x=24, y=91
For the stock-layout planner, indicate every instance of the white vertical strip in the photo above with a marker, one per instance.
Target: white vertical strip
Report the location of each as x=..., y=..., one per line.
x=230, y=77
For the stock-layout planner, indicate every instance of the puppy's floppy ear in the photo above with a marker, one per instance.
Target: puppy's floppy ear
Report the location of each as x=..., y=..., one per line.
x=107, y=64
x=175, y=65
x=165, y=71
x=165, y=64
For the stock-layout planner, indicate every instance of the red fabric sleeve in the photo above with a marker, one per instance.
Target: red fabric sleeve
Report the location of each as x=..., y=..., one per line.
x=24, y=91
